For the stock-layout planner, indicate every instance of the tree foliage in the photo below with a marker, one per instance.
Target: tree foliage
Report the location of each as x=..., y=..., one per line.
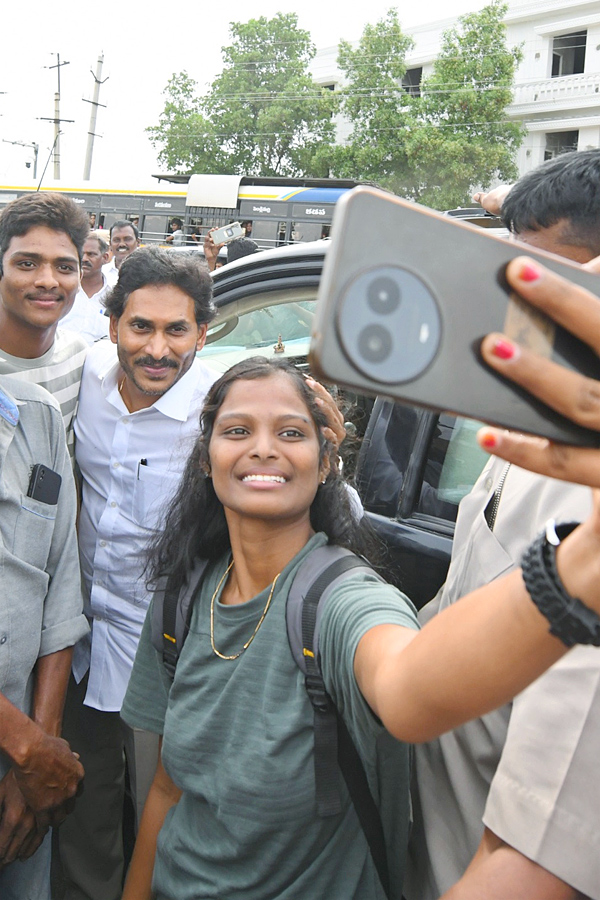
x=182, y=129
x=434, y=147
x=462, y=136
x=375, y=103
x=263, y=114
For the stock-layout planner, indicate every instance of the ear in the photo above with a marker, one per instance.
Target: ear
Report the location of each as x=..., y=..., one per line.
x=113, y=329
x=324, y=470
x=202, y=329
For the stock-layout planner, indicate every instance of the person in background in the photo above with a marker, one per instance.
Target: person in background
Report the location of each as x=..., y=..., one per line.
x=176, y=238
x=539, y=834
x=40, y=620
x=124, y=239
x=138, y=418
x=87, y=316
x=41, y=248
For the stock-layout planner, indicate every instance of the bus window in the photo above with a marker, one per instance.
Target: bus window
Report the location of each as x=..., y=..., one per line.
x=155, y=228
x=306, y=231
x=267, y=233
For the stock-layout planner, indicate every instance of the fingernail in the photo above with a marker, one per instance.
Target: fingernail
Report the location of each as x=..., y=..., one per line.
x=503, y=349
x=488, y=439
x=529, y=272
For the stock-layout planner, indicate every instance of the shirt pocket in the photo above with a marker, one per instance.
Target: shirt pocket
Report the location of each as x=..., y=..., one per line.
x=33, y=532
x=153, y=491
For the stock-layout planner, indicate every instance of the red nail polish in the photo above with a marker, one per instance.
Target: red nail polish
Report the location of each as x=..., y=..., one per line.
x=488, y=440
x=503, y=349
x=529, y=272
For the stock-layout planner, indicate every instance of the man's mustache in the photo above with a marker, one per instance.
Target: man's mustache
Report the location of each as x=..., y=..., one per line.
x=152, y=363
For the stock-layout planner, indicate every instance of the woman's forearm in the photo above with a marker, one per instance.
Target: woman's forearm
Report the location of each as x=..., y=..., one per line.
x=474, y=656
x=162, y=797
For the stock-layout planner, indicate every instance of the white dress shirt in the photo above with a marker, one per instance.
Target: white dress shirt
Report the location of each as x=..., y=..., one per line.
x=110, y=272
x=131, y=465
x=87, y=317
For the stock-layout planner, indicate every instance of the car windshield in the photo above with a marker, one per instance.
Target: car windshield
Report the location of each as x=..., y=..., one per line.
x=283, y=328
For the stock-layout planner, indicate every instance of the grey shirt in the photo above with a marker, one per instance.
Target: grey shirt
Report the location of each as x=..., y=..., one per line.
x=239, y=742
x=40, y=586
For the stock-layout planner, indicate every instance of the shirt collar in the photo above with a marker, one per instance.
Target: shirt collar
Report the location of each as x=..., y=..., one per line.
x=174, y=403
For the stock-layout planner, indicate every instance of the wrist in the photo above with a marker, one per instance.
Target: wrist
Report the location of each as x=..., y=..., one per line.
x=578, y=565
x=19, y=737
x=569, y=617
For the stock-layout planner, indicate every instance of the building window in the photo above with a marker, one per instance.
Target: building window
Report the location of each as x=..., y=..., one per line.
x=411, y=81
x=558, y=142
x=568, y=54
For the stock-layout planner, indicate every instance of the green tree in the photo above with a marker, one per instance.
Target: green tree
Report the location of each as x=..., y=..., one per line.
x=183, y=133
x=434, y=147
x=375, y=103
x=461, y=136
x=263, y=115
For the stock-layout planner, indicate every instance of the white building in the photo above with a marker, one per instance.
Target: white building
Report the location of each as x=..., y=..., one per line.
x=557, y=85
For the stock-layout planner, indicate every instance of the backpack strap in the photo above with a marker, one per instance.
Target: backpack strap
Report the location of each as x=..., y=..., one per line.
x=334, y=748
x=171, y=613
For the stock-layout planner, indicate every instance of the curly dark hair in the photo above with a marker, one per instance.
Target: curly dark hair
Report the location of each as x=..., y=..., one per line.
x=49, y=209
x=149, y=266
x=195, y=526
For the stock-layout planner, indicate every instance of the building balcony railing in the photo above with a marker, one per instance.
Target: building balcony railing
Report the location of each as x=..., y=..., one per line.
x=568, y=92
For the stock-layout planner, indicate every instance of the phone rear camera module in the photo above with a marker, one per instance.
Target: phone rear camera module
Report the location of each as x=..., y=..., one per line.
x=388, y=324
x=375, y=343
x=383, y=296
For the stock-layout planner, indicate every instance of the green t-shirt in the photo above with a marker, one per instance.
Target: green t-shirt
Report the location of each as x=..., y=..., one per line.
x=238, y=741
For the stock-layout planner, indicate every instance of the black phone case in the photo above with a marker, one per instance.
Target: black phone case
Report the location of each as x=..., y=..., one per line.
x=44, y=484
x=462, y=268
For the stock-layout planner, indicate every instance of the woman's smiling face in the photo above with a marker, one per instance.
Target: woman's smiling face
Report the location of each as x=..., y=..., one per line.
x=265, y=451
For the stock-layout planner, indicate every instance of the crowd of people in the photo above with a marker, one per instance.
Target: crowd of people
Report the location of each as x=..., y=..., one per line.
x=135, y=485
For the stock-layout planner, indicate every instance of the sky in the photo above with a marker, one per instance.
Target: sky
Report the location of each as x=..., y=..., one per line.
x=143, y=45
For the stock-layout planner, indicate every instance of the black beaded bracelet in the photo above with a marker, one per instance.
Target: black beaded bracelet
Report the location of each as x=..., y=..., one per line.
x=570, y=620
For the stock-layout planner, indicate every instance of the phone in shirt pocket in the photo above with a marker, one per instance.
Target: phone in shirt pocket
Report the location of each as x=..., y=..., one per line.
x=44, y=484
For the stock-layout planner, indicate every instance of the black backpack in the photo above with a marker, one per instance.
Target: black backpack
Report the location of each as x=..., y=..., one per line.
x=319, y=573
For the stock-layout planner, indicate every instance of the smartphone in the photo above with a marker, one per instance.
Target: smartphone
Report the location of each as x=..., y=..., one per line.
x=227, y=233
x=406, y=296
x=44, y=484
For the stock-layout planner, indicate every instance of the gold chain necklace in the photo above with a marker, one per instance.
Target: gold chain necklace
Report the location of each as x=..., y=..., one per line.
x=212, y=616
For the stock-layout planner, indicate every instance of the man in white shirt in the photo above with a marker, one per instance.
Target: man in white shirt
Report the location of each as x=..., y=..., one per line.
x=176, y=238
x=137, y=422
x=87, y=317
x=124, y=239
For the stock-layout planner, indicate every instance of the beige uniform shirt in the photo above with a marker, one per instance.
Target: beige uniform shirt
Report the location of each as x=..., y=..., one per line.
x=546, y=776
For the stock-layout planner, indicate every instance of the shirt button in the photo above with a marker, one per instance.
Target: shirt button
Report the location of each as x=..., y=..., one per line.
x=116, y=465
x=3, y=639
x=488, y=484
x=103, y=543
x=113, y=503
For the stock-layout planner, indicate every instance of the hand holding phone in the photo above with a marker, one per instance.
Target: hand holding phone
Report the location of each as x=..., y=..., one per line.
x=227, y=233
x=406, y=297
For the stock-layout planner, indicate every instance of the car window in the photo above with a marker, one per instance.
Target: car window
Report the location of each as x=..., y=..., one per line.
x=428, y=463
x=453, y=464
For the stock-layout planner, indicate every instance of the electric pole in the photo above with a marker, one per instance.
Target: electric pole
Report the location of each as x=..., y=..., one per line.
x=57, y=119
x=94, y=112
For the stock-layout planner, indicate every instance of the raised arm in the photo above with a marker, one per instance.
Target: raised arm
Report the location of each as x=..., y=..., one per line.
x=490, y=645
